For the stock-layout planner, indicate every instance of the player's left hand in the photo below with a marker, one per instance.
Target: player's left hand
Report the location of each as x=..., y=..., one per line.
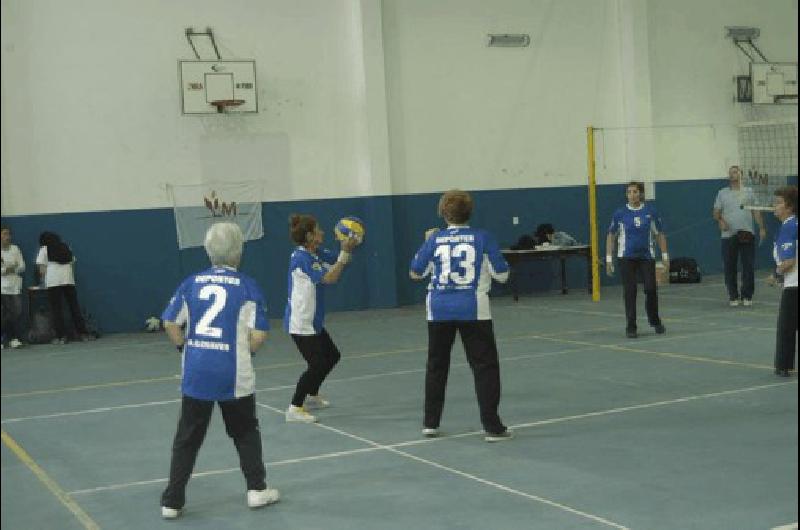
x=665, y=263
x=762, y=236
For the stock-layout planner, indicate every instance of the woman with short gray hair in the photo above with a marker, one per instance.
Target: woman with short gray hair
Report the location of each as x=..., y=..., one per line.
x=225, y=319
x=223, y=244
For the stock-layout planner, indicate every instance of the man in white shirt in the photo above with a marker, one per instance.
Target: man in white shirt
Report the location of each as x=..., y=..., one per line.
x=13, y=265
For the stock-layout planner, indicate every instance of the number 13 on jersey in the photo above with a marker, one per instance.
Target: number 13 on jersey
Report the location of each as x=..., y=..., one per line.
x=454, y=260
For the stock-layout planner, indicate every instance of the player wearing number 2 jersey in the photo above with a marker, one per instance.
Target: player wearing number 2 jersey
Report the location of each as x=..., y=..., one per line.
x=462, y=262
x=224, y=314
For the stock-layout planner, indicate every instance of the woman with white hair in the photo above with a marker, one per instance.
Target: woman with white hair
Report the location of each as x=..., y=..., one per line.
x=225, y=319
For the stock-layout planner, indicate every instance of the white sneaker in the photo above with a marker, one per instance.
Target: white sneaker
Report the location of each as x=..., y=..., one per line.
x=734, y=303
x=299, y=415
x=170, y=513
x=430, y=432
x=747, y=302
x=259, y=498
x=15, y=343
x=316, y=403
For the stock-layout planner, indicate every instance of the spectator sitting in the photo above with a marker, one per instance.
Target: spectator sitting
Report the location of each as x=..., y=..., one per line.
x=546, y=235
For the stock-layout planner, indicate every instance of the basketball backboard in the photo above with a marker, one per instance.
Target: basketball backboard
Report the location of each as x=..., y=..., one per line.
x=203, y=82
x=774, y=82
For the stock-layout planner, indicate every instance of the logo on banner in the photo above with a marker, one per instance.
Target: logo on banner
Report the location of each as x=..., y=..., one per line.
x=220, y=208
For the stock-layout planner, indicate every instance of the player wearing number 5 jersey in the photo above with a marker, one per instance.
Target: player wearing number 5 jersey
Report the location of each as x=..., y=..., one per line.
x=461, y=262
x=635, y=228
x=225, y=321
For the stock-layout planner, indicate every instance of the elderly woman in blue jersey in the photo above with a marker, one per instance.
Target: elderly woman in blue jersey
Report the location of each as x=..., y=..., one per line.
x=785, y=253
x=634, y=227
x=310, y=269
x=462, y=262
x=224, y=314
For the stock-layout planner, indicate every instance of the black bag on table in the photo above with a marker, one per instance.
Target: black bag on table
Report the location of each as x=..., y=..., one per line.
x=525, y=242
x=684, y=270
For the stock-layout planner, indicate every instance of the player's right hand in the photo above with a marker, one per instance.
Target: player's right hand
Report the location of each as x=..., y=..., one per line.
x=610, y=268
x=349, y=244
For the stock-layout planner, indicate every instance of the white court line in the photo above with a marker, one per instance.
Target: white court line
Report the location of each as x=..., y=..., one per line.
x=790, y=526
x=722, y=303
x=460, y=473
x=279, y=387
x=374, y=446
x=163, y=379
x=583, y=345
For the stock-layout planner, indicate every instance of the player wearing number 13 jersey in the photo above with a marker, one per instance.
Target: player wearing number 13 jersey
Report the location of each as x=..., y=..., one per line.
x=462, y=262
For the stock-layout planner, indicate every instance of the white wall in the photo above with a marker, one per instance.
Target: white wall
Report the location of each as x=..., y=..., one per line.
x=692, y=70
x=370, y=97
x=462, y=114
x=91, y=109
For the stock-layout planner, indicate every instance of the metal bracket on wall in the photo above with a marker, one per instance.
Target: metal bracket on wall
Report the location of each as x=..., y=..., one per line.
x=190, y=32
x=746, y=35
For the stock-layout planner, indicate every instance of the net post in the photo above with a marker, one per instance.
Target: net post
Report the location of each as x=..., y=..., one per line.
x=595, y=251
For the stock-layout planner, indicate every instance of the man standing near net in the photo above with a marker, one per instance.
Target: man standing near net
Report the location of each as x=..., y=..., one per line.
x=738, y=237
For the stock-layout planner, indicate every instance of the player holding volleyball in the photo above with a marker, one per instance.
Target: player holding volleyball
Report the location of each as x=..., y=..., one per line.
x=462, y=262
x=310, y=269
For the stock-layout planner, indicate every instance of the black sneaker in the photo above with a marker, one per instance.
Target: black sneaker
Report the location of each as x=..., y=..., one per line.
x=660, y=329
x=631, y=333
x=783, y=372
x=492, y=437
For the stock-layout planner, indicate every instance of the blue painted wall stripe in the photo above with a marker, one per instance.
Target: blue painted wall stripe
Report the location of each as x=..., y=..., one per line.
x=129, y=263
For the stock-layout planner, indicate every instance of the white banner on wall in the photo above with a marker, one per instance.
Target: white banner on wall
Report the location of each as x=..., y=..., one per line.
x=198, y=206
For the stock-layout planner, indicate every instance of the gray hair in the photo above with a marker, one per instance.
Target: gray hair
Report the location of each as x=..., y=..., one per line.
x=223, y=244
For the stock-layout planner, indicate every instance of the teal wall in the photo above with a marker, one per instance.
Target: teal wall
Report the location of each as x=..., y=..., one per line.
x=129, y=263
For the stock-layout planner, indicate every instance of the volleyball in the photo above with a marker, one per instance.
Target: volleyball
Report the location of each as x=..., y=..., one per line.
x=350, y=227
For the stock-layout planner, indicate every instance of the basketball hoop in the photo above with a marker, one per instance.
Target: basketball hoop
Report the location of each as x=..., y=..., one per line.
x=223, y=104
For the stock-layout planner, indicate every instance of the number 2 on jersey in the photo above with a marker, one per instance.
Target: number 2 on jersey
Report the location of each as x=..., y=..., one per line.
x=219, y=295
x=462, y=251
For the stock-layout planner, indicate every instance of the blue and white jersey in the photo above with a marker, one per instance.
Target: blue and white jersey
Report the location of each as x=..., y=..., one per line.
x=219, y=307
x=636, y=229
x=786, y=248
x=462, y=262
x=305, y=309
